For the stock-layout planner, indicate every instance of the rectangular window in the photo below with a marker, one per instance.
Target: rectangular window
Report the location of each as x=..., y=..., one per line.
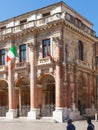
x=46, y=14
x=23, y=21
x=22, y=51
x=67, y=17
x=96, y=61
x=2, y=29
x=23, y=24
x=2, y=57
x=46, y=48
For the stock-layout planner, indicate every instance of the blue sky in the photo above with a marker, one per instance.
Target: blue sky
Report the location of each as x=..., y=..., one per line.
x=12, y=8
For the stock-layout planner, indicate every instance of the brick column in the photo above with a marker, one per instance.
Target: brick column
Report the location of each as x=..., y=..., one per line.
x=11, y=91
x=58, y=113
x=33, y=85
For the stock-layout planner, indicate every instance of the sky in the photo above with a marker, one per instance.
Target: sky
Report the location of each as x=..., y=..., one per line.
x=86, y=8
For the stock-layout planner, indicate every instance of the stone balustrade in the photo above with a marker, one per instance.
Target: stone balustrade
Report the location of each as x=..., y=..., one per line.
x=44, y=61
x=83, y=64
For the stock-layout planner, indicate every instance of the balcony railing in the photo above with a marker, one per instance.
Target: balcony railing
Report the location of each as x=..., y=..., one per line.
x=44, y=61
x=21, y=65
x=3, y=68
x=83, y=64
x=33, y=23
x=44, y=21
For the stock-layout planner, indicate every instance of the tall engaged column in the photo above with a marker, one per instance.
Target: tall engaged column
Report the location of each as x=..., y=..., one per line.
x=58, y=78
x=58, y=113
x=33, y=85
x=11, y=91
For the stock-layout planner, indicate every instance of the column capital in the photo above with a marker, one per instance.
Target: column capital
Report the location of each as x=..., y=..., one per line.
x=58, y=41
x=7, y=49
x=32, y=46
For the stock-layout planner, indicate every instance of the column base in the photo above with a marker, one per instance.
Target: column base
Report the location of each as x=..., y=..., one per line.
x=58, y=114
x=11, y=114
x=75, y=115
x=32, y=114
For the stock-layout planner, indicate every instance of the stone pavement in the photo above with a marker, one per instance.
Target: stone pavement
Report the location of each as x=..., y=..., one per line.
x=25, y=124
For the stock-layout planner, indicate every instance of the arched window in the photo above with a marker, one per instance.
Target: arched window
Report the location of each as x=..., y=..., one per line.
x=80, y=50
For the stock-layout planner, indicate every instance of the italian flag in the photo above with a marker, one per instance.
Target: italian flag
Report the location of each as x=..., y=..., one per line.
x=11, y=54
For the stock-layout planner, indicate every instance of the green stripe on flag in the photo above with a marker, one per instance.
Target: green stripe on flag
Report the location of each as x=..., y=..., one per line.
x=13, y=49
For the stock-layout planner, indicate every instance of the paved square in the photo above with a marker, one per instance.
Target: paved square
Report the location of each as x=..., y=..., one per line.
x=24, y=124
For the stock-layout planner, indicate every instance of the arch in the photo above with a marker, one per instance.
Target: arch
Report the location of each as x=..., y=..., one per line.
x=43, y=76
x=23, y=96
x=4, y=97
x=46, y=99
x=3, y=84
x=82, y=93
x=22, y=81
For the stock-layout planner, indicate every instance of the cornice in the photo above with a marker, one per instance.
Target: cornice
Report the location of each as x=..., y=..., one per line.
x=48, y=26
x=79, y=31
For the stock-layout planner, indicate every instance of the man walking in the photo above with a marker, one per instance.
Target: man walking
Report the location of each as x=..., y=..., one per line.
x=90, y=125
x=70, y=126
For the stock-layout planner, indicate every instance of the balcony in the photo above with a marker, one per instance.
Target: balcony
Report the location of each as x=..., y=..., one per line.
x=3, y=68
x=44, y=61
x=83, y=64
x=21, y=65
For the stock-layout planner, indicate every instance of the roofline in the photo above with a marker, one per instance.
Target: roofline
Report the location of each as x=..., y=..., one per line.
x=58, y=3
x=36, y=10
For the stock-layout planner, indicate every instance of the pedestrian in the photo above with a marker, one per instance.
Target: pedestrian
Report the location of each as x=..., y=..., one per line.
x=90, y=125
x=70, y=126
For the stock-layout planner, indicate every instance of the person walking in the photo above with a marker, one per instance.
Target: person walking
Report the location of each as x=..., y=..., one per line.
x=70, y=126
x=90, y=125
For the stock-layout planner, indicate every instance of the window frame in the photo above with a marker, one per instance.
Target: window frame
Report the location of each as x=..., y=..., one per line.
x=22, y=52
x=80, y=50
x=46, y=42
x=2, y=57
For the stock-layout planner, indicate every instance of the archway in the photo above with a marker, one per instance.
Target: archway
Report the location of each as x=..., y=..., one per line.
x=82, y=95
x=3, y=97
x=47, y=95
x=23, y=96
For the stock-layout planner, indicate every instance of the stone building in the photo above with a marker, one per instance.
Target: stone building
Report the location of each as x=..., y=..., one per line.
x=54, y=74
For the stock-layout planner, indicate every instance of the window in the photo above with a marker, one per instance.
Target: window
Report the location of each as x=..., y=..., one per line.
x=78, y=22
x=2, y=29
x=46, y=14
x=96, y=61
x=2, y=57
x=23, y=24
x=67, y=16
x=80, y=50
x=23, y=21
x=22, y=50
x=46, y=48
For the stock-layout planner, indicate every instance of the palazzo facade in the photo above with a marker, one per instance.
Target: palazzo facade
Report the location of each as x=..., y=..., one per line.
x=54, y=74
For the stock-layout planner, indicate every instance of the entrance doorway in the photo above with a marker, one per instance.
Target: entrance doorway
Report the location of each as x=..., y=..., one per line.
x=47, y=96
x=82, y=96
x=3, y=97
x=23, y=96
